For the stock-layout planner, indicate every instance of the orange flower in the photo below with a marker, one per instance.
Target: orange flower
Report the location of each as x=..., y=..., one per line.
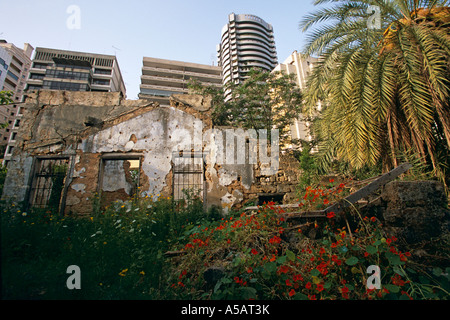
x=291, y=293
x=326, y=201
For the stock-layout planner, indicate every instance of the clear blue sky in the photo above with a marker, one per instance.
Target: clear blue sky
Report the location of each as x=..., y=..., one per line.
x=170, y=29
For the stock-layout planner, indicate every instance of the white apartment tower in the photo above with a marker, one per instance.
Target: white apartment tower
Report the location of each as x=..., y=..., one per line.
x=301, y=67
x=247, y=42
x=14, y=68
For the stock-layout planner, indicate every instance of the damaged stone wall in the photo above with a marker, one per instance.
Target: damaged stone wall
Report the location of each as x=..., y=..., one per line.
x=102, y=134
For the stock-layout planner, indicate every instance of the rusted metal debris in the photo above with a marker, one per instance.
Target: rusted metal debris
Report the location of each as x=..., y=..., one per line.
x=347, y=201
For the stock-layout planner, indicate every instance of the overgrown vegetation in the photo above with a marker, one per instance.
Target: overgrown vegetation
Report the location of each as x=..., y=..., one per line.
x=265, y=100
x=254, y=255
x=120, y=250
x=384, y=90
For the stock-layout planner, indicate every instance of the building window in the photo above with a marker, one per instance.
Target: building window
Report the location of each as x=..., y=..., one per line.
x=48, y=183
x=101, y=82
x=102, y=71
x=188, y=175
x=119, y=177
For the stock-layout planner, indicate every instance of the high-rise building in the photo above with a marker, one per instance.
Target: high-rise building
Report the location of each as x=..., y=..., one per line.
x=69, y=70
x=301, y=67
x=75, y=71
x=161, y=78
x=14, y=68
x=247, y=42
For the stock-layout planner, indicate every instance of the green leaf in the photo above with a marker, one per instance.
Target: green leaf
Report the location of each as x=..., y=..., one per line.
x=394, y=259
x=300, y=296
x=248, y=292
x=399, y=271
x=392, y=288
x=371, y=249
x=281, y=260
x=270, y=267
x=352, y=261
x=437, y=271
x=290, y=255
x=315, y=272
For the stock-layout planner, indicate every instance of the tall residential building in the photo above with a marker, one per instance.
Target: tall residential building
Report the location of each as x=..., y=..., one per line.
x=75, y=71
x=247, y=42
x=69, y=70
x=14, y=68
x=301, y=67
x=161, y=78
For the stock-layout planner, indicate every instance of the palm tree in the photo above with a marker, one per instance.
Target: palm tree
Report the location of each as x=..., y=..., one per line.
x=385, y=90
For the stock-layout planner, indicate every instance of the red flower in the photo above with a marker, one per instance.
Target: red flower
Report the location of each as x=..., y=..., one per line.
x=330, y=215
x=326, y=201
x=250, y=270
x=331, y=180
x=283, y=269
x=308, y=285
x=288, y=283
x=319, y=287
x=183, y=273
x=254, y=251
x=297, y=277
x=291, y=293
x=344, y=292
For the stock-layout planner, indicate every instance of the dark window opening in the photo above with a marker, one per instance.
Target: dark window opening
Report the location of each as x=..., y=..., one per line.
x=277, y=198
x=119, y=177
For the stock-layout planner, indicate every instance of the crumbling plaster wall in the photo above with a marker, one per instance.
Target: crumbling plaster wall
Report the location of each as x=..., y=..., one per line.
x=87, y=125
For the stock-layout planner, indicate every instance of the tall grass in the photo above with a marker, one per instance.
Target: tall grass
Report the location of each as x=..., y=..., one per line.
x=120, y=250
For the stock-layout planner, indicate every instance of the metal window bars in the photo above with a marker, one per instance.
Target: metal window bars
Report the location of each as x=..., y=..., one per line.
x=48, y=183
x=188, y=175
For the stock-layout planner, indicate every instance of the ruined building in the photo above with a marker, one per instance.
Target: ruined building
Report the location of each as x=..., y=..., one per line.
x=73, y=146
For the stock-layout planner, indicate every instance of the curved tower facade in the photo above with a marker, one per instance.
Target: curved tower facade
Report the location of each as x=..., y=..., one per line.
x=247, y=41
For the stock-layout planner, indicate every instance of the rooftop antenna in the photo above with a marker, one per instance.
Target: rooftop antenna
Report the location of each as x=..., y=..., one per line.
x=115, y=53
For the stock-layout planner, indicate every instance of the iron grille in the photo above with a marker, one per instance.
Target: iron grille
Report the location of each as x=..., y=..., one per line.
x=187, y=175
x=48, y=185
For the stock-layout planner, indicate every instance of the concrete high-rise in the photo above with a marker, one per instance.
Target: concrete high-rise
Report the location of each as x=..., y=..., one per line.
x=301, y=67
x=75, y=71
x=161, y=78
x=14, y=68
x=68, y=70
x=247, y=42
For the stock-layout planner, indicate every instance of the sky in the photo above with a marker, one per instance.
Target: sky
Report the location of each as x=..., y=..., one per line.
x=168, y=29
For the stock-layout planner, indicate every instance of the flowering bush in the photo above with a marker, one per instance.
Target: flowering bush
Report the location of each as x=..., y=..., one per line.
x=262, y=256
